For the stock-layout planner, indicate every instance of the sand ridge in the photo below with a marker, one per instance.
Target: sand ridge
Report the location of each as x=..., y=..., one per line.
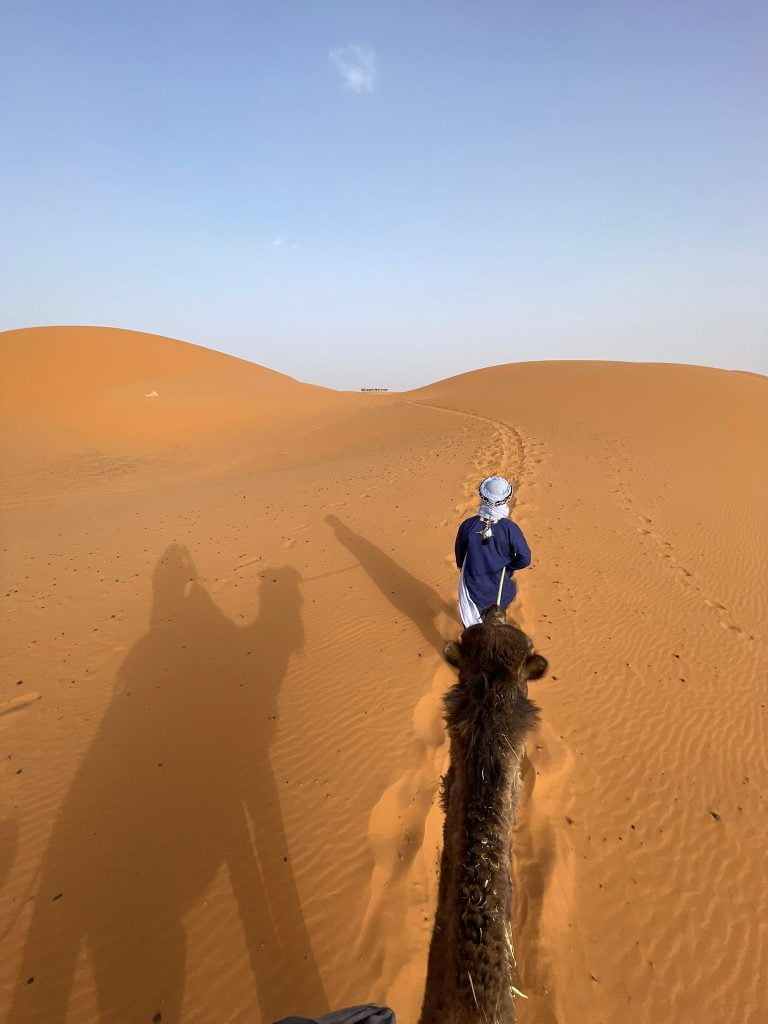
x=220, y=708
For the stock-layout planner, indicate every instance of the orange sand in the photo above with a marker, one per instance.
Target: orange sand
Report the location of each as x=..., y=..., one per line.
x=220, y=729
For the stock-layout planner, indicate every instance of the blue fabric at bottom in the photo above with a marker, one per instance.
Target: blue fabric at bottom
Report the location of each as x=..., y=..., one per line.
x=367, y=1014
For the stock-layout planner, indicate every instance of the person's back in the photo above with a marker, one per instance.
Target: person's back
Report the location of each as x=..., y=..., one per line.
x=489, y=548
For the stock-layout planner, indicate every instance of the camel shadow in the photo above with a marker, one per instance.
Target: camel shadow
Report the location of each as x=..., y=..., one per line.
x=410, y=596
x=176, y=785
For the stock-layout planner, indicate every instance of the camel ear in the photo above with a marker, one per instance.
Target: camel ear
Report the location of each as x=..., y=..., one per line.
x=452, y=653
x=535, y=667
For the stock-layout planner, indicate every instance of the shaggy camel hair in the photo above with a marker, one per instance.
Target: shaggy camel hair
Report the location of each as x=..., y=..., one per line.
x=471, y=969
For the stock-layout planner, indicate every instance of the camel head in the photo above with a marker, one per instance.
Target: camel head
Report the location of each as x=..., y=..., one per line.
x=494, y=615
x=497, y=651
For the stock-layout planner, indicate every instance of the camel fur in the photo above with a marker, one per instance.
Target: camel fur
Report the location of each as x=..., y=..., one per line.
x=471, y=968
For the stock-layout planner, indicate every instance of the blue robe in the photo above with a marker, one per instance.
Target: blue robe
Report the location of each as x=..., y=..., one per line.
x=483, y=562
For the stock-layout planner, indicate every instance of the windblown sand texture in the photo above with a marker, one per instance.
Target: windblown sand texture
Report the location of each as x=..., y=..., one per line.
x=224, y=597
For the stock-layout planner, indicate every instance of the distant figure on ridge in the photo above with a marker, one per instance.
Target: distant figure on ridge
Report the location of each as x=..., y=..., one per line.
x=489, y=547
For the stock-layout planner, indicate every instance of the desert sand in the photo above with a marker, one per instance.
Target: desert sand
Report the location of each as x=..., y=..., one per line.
x=225, y=594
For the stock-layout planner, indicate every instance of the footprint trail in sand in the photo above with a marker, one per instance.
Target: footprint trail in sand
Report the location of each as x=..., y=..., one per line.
x=405, y=826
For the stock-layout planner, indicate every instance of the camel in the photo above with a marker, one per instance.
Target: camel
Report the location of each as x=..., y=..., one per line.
x=471, y=971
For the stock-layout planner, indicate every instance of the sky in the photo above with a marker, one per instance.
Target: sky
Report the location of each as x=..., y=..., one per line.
x=385, y=193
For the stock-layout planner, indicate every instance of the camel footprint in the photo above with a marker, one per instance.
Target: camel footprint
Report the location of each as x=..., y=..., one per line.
x=665, y=553
x=502, y=446
x=725, y=622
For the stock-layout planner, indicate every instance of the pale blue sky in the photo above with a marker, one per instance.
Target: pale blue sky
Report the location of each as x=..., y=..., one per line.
x=388, y=192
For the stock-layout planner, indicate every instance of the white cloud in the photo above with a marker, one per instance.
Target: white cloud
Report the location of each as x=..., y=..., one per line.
x=357, y=67
x=278, y=242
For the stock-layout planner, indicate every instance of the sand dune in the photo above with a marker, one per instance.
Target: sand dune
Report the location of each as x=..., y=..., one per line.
x=222, y=612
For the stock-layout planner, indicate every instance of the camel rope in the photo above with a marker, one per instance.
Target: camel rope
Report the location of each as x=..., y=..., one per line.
x=501, y=584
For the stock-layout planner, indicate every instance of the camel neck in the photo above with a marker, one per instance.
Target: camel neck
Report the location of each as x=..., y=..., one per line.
x=471, y=970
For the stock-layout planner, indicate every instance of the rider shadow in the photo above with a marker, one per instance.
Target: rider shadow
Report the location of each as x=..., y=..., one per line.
x=176, y=784
x=413, y=598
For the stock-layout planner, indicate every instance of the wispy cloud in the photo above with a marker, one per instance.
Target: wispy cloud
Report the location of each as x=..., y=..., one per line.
x=278, y=242
x=357, y=67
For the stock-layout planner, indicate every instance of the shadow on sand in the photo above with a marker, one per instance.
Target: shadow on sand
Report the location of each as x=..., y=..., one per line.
x=176, y=784
x=410, y=596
